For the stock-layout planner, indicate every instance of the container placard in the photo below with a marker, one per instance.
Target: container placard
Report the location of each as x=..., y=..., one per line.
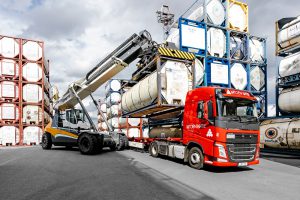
x=193, y=37
x=219, y=73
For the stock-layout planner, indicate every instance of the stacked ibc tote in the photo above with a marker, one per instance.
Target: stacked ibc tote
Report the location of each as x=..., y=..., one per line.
x=217, y=32
x=24, y=91
x=284, y=130
x=111, y=108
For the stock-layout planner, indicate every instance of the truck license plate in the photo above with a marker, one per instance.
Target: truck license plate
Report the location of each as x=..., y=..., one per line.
x=242, y=164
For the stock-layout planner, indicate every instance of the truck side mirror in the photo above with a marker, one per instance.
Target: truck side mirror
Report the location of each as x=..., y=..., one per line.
x=210, y=112
x=200, y=113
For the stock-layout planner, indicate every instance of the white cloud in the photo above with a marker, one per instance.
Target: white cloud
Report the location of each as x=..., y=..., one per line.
x=77, y=34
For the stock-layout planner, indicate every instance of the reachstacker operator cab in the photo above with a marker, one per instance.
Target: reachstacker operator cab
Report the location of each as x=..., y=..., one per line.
x=220, y=128
x=75, y=127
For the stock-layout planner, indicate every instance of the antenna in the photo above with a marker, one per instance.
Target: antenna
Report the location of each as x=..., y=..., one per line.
x=166, y=18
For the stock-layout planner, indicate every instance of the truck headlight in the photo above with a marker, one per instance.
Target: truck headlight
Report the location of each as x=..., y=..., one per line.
x=222, y=152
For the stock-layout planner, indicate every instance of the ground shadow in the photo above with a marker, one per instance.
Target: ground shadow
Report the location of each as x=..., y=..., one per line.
x=208, y=168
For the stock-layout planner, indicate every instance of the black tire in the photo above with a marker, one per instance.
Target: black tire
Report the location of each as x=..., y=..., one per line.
x=88, y=144
x=113, y=147
x=196, y=158
x=46, y=141
x=153, y=149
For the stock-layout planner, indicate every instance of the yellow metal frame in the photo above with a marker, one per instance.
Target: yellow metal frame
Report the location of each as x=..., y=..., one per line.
x=244, y=6
x=173, y=53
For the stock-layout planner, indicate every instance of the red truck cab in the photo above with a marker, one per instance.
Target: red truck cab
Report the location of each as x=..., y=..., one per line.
x=219, y=127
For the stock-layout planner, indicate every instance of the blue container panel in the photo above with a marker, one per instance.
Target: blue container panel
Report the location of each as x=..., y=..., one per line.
x=197, y=28
x=217, y=72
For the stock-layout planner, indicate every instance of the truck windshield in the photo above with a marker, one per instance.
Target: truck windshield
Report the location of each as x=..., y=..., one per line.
x=237, y=108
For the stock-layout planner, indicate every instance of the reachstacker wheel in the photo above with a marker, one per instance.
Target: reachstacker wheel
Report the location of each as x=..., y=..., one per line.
x=88, y=144
x=46, y=141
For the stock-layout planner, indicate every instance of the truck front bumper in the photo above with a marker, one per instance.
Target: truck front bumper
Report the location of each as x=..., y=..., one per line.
x=231, y=164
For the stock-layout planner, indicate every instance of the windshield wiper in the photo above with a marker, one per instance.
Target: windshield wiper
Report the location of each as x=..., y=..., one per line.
x=234, y=118
x=249, y=118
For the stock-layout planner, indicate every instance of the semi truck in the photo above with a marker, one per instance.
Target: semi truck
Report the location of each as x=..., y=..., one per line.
x=216, y=126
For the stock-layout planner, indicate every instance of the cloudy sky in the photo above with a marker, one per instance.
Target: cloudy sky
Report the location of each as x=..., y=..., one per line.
x=78, y=33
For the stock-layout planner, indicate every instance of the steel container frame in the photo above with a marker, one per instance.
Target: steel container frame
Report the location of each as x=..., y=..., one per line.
x=20, y=60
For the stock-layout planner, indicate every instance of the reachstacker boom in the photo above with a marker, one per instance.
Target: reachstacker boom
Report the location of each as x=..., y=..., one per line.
x=74, y=127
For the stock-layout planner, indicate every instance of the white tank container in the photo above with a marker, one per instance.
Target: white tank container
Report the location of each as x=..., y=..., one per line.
x=46, y=118
x=280, y=133
x=32, y=114
x=199, y=72
x=238, y=76
x=46, y=100
x=9, y=68
x=216, y=42
x=100, y=119
x=9, y=111
x=32, y=72
x=9, y=47
x=289, y=34
x=175, y=82
x=215, y=12
x=174, y=37
x=113, y=98
x=290, y=65
x=145, y=132
x=133, y=132
x=257, y=50
x=9, y=135
x=113, y=111
x=134, y=121
x=192, y=37
x=32, y=50
x=123, y=122
x=103, y=107
x=289, y=100
x=102, y=126
x=32, y=135
x=9, y=90
x=237, y=17
x=114, y=122
x=238, y=48
x=113, y=86
x=32, y=93
x=46, y=83
x=257, y=78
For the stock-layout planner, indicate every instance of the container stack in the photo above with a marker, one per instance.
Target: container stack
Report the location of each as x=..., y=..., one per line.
x=111, y=108
x=283, y=130
x=217, y=32
x=288, y=48
x=24, y=91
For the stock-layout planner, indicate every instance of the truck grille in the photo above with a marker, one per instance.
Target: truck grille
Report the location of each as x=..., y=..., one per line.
x=241, y=152
x=243, y=139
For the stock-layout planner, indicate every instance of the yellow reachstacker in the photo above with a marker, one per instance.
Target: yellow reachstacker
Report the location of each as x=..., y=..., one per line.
x=74, y=127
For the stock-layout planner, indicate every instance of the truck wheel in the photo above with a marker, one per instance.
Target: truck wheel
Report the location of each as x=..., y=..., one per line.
x=196, y=158
x=87, y=144
x=46, y=141
x=153, y=149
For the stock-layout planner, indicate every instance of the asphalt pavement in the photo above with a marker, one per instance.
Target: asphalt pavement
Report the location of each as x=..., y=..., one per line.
x=33, y=173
